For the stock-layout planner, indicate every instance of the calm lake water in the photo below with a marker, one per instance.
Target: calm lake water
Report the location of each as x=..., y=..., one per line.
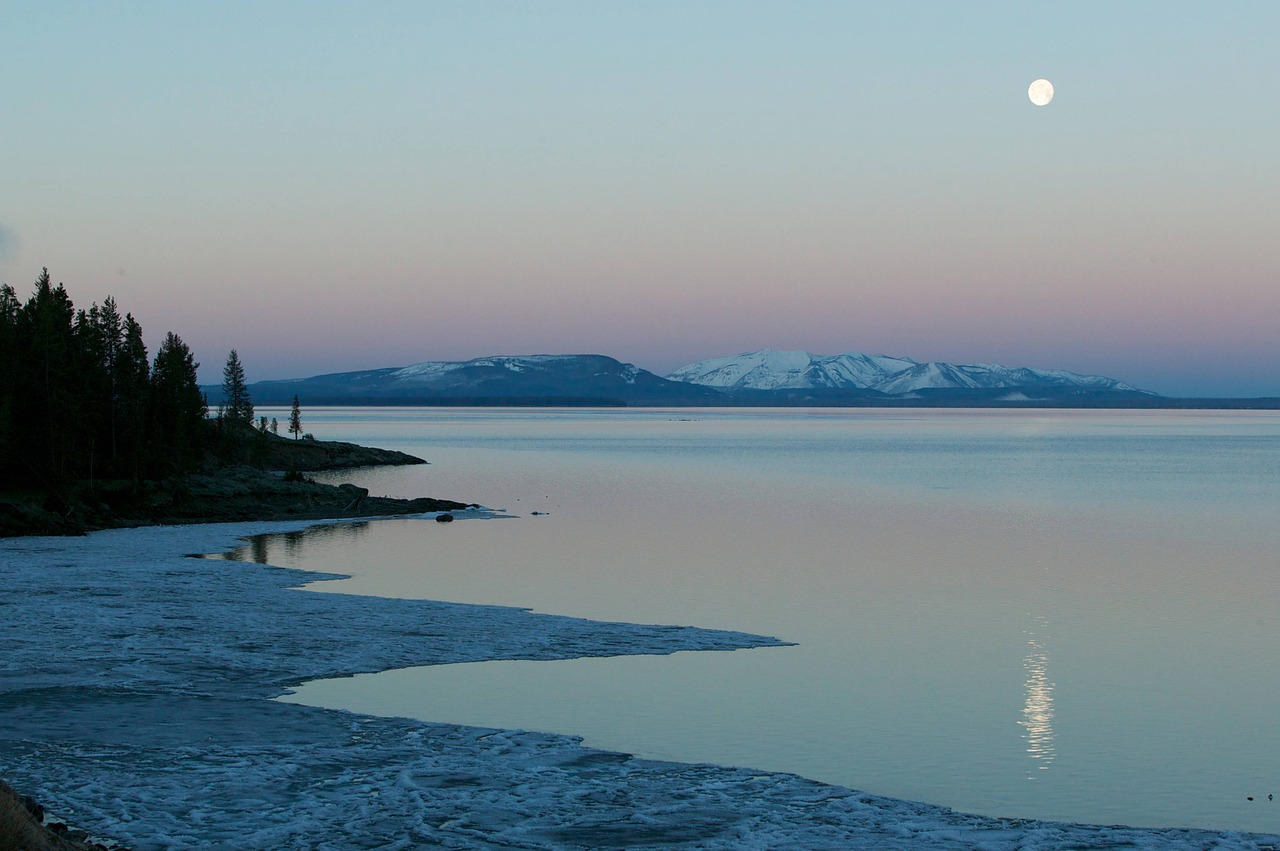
x=1052, y=614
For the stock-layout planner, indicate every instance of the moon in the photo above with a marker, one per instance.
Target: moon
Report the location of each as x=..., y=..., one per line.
x=1040, y=92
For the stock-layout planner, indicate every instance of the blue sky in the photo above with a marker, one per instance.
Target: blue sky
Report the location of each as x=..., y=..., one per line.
x=328, y=186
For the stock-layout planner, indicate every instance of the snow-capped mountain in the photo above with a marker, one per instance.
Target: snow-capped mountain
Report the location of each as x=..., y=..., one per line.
x=523, y=379
x=773, y=370
x=894, y=376
x=765, y=377
x=930, y=376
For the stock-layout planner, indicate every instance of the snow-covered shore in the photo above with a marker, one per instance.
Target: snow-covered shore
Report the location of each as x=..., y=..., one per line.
x=135, y=702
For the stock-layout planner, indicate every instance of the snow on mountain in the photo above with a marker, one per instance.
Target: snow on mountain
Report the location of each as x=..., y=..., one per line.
x=431, y=371
x=544, y=373
x=767, y=369
x=506, y=377
x=1022, y=376
x=764, y=376
x=924, y=376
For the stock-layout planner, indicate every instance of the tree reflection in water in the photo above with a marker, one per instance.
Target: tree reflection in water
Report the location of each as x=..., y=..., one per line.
x=258, y=548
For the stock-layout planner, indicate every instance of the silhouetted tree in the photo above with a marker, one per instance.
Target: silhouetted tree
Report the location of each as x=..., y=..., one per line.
x=49, y=423
x=238, y=408
x=295, y=419
x=177, y=407
x=258, y=448
x=133, y=378
x=99, y=339
x=9, y=364
x=110, y=338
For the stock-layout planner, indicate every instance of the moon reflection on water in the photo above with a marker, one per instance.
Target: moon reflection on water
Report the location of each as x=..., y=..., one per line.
x=1037, y=714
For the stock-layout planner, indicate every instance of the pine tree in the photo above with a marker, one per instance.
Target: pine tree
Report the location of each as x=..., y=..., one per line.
x=236, y=395
x=78, y=397
x=111, y=339
x=48, y=419
x=133, y=377
x=111, y=329
x=9, y=366
x=295, y=420
x=178, y=408
x=99, y=340
x=91, y=381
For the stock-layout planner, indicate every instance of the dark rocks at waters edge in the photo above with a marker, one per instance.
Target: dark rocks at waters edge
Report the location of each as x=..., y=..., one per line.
x=356, y=493
x=273, y=489
x=308, y=456
x=227, y=495
x=22, y=827
x=220, y=494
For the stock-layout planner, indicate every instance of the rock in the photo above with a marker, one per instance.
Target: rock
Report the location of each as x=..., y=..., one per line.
x=55, y=504
x=444, y=518
x=223, y=495
x=34, y=807
x=356, y=493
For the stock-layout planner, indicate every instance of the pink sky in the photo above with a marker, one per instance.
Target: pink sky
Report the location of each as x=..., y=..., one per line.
x=358, y=188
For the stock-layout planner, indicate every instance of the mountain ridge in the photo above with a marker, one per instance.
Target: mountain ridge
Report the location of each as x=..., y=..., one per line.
x=764, y=377
x=492, y=380
x=769, y=369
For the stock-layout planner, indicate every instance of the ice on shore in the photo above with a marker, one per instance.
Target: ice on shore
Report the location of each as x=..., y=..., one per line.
x=135, y=701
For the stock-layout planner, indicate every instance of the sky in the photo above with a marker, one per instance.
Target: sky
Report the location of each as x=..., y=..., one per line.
x=328, y=187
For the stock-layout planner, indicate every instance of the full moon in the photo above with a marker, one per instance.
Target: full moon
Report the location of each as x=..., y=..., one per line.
x=1040, y=92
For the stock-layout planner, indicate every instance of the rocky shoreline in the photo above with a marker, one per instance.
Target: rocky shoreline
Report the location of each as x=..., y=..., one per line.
x=223, y=494
x=275, y=490
x=22, y=826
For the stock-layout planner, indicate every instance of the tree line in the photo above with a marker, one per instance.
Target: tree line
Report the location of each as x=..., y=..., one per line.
x=80, y=398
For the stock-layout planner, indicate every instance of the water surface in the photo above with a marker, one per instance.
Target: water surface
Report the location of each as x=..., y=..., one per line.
x=1062, y=615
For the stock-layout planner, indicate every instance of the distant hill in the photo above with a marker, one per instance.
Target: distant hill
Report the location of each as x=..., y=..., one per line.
x=763, y=378
x=502, y=380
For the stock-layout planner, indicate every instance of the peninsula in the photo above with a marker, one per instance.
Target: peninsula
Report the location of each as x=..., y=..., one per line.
x=266, y=481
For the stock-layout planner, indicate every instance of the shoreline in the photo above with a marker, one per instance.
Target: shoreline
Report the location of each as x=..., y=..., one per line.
x=432, y=782
x=276, y=489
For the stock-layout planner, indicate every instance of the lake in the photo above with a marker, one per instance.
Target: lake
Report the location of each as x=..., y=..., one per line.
x=1065, y=615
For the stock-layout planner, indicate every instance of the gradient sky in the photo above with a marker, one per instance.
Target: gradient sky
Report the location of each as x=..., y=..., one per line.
x=337, y=186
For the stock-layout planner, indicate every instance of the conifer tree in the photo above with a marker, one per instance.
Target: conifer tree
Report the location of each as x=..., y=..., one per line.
x=50, y=426
x=178, y=408
x=9, y=307
x=110, y=335
x=111, y=330
x=91, y=382
x=238, y=408
x=295, y=419
x=99, y=336
x=133, y=376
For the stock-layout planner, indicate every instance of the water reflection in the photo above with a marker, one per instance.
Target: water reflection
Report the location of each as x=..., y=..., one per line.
x=1037, y=714
x=260, y=548
x=1101, y=522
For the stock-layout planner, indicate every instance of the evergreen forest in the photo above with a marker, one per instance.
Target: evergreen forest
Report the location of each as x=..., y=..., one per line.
x=80, y=399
